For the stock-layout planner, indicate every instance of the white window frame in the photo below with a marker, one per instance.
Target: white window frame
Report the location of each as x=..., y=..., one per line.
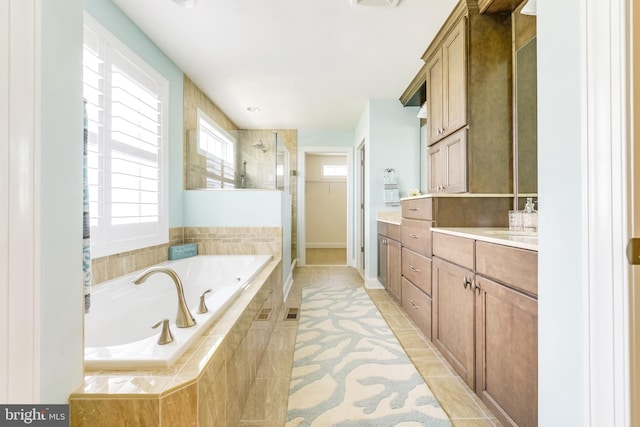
x=106, y=238
x=228, y=139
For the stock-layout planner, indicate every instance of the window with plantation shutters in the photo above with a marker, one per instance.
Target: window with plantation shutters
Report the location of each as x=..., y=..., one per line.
x=219, y=149
x=127, y=154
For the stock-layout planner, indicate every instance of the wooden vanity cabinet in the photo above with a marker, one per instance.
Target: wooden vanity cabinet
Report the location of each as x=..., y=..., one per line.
x=485, y=322
x=417, y=220
x=389, y=258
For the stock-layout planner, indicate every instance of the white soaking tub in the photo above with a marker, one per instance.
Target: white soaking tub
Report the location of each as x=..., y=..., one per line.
x=118, y=333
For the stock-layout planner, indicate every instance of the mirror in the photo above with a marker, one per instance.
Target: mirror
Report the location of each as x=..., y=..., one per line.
x=526, y=120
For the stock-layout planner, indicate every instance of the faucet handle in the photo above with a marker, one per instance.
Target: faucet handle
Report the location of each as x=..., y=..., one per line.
x=202, y=308
x=165, y=335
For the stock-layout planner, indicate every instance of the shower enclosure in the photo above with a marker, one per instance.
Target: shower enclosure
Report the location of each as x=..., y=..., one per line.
x=261, y=162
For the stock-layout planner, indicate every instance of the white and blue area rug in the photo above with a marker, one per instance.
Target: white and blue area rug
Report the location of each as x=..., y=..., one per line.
x=350, y=370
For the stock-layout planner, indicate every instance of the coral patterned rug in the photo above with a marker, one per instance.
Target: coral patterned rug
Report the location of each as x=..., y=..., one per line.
x=350, y=370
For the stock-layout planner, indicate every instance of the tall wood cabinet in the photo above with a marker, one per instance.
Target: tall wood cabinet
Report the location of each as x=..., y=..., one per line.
x=468, y=75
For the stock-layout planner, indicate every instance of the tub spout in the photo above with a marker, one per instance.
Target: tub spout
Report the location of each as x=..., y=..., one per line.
x=184, y=319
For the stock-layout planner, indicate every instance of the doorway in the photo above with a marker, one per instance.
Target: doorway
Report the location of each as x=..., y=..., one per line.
x=324, y=221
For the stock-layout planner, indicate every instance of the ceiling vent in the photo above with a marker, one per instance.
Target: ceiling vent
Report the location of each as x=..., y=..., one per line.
x=376, y=3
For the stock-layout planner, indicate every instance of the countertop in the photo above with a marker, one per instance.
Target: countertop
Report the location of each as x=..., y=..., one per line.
x=392, y=217
x=500, y=236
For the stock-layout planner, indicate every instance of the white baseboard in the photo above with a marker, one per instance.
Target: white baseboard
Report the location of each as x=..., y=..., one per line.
x=288, y=283
x=373, y=283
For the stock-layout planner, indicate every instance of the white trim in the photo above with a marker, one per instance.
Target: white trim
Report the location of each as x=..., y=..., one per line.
x=605, y=161
x=144, y=234
x=633, y=194
x=302, y=154
x=288, y=282
x=19, y=219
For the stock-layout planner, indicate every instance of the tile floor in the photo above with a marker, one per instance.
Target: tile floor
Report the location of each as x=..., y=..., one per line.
x=267, y=404
x=326, y=256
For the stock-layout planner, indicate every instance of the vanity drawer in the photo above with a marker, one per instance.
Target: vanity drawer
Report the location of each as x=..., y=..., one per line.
x=513, y=266
x=417, y=305
x=458, y=250
x=383, y=228
x=417, y=268
x=416, y=235
x=394, y=231
x=418, y=209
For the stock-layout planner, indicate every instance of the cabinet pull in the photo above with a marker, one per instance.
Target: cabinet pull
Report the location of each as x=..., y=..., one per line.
x=414, y=209
x=413, y=304
x=415, y=270
x=466, y=282
x=413, y=236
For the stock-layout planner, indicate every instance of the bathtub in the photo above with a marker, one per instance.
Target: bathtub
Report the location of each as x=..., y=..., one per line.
x=117, y=330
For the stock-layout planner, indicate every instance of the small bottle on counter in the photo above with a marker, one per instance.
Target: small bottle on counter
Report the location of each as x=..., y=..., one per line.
x=529, y=216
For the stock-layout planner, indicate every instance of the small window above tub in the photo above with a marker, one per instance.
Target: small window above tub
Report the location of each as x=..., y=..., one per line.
x=219, y=149
x=127, y=151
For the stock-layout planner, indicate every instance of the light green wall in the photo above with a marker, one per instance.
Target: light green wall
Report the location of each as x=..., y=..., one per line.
x=393, y=141
x=561, y=288
x=112, y=18
x=61, y=129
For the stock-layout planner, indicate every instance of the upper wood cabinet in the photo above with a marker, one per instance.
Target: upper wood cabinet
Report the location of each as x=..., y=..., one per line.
x=447, y=164
x=468, y=73
x=447, y=85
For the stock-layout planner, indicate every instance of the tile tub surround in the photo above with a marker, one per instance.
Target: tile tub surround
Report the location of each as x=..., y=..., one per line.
x=210, y=240
x=207, y=386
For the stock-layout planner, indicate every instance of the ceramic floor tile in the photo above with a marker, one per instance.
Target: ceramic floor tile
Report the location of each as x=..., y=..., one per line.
x=455, y=399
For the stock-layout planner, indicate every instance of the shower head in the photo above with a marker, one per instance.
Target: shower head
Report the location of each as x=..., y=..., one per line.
x=260, y=145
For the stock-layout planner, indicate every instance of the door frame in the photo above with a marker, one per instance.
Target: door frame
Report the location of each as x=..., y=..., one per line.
x=361, y=248
x=301, y=233
x=607, y=191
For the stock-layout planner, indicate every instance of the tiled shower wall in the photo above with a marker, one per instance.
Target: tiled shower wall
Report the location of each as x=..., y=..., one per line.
x=210, y=240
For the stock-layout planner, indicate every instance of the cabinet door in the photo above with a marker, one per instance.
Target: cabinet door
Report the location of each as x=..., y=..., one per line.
x=454, y=58
x=447, y=164
x=435, y=93
x=453, y=326
x=435, y=168
x=382, y=260
x=394, y=268
x=455, y=158
x=507, y=353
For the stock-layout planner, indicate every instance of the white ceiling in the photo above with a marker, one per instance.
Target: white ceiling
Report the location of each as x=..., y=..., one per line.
x=307, y=64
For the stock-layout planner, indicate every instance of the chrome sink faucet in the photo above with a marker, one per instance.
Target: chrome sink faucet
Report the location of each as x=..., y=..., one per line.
x=184, y=318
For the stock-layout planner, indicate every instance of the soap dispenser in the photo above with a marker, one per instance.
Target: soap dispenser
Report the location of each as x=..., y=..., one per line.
x=529, y=217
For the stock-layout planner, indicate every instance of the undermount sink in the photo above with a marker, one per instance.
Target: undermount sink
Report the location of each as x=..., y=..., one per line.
x=532, y=234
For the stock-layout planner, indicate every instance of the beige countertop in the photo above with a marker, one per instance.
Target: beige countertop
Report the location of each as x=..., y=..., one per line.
x=392, y=217
x=500, y=236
